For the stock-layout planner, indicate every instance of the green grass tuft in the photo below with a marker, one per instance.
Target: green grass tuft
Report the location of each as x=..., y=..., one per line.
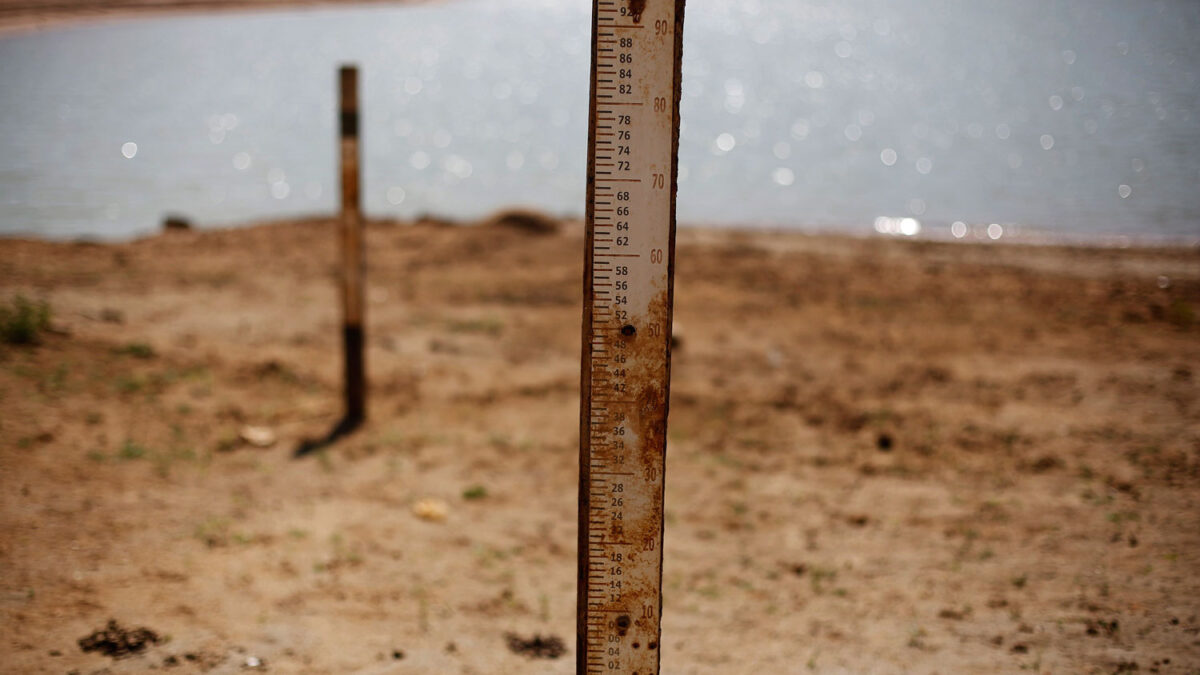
x=23, y=321
x=131, y=450
x=138, y=350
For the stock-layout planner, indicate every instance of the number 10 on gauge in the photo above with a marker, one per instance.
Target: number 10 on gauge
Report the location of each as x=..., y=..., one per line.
x=633, y=139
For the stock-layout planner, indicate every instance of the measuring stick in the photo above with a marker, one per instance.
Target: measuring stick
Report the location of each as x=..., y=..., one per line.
x=633, y=142
x=352, y=249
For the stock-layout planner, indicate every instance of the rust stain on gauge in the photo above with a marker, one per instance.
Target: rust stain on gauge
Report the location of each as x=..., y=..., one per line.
x=652, y=385
x=628, y=281
x=636, y=8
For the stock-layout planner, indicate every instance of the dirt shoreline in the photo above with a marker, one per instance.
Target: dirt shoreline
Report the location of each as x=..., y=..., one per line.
x=884, y=455
x=24, y=16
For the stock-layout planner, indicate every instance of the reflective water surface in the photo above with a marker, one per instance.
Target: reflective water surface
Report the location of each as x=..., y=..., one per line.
x=900, y=116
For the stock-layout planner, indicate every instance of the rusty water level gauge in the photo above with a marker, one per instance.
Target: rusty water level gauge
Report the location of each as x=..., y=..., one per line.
x=633, y=141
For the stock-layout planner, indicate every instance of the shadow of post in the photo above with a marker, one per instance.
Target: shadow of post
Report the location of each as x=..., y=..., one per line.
x=345, y=427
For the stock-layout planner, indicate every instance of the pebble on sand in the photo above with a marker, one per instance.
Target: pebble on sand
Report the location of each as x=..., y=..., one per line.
x=431, y=509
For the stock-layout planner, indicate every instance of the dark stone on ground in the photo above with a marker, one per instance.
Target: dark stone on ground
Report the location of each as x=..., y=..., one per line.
x=118, y=642
x=536, y=647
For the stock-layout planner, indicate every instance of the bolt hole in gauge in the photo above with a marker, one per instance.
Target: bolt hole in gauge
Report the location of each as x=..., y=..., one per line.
x=633, y=141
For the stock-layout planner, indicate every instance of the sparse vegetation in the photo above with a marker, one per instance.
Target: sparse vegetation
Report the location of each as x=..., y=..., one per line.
x=1182, y=314
x=213, y=531
x=129, y=384
x=819, y=576
x=165, y=460
x=22, y=321
x=130, y=450
x=138, y=350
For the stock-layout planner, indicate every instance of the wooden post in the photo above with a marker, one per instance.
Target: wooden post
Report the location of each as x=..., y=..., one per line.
x=353, y=261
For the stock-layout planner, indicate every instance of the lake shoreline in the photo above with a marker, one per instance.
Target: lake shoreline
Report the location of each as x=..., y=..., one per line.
x=31, y=16
x=976, y=235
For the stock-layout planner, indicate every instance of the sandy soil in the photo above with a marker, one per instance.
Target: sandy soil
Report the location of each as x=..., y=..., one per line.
x=884, y=456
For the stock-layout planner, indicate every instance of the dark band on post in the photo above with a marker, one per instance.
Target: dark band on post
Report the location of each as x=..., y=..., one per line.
x=348, y=81
x=349, y=124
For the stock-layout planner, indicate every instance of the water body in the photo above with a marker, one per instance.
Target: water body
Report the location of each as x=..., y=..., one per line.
x=1075, y=117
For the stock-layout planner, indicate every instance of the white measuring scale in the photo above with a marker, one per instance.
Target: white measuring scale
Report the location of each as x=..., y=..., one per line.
x=628, y=285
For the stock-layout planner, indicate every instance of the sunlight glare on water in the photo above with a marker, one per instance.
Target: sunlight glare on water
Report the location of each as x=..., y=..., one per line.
x=795, y=113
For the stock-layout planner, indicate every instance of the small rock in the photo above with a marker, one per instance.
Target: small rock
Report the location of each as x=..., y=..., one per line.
x=431, y=509
x=176, y=222
x=1124, y=478
x=117, y=641
x=536, y=647
x=259, y=437
x=774, y=356
x=1046, y=463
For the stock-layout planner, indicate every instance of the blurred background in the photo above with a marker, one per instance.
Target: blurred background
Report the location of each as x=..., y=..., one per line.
x=1073, y=119
x=928, y=449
